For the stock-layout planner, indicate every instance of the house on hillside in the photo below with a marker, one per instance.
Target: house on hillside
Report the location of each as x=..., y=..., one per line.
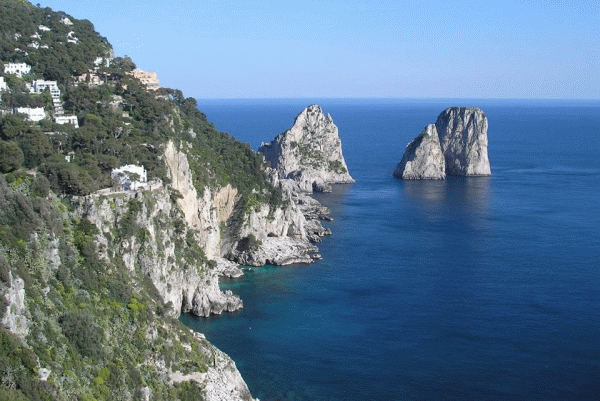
x=33, y=113
x=18, y=69
x=91, y=79
x=3, y=86
x=148, y=78
x=102, y=62
x=130, y=177
x=67, y=120
x=39, y=86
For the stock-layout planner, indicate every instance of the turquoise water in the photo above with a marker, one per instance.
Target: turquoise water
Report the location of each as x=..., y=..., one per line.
x=469, y=288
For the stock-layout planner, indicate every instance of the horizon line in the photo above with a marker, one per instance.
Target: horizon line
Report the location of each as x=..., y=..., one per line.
x=396, y=98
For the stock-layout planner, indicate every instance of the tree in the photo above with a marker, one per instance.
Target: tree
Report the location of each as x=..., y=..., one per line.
x=12, y=126
x=12, y=156
x=36, y=147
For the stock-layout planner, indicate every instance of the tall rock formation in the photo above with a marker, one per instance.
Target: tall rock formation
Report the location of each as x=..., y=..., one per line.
x=463, y=136
x=423, y=158
x=310, y=153
x=455, y=145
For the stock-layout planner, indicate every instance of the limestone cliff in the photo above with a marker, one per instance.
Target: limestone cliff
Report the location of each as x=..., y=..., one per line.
x=463, y=136
x=155, y=239
x=222, y=381
x=15, y=317
x=173, y=233
x=423, y=158
x=203, y=212
x=309, y=153
x=455, y=145
x=281, y=237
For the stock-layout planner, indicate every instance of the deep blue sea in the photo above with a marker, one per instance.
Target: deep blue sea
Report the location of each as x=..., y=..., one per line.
x=482, y=288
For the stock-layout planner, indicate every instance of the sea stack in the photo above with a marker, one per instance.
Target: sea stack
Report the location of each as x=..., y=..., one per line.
x=461, y=134
x=309, y=153
x=423, y=158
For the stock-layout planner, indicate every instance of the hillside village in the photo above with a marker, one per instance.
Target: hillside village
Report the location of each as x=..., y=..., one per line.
x=92, y=78
x=40, y=102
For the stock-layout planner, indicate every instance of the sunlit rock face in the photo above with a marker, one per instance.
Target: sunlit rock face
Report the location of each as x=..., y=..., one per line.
x=423, y=158
x=463, y=137
x=455, y=145
x=310, y=152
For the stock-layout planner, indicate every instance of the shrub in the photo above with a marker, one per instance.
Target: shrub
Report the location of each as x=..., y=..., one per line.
x=80, y=329
x=249, y=243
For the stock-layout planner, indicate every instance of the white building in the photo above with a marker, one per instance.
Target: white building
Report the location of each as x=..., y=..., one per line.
x=43, y=28
x=3, y=86
x=67, y=120
x=71, y=37
x=19, y=69
x=102, y=62
x=33, y=114
x=124, y=174
x=40, y=86
x=66, y=21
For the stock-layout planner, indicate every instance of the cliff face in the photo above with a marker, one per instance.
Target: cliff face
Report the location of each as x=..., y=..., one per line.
x=310, y=152
x=203, y=212
x=280, y=238
x=84, y=286
x=423, y=158
x=455, y=145
x=463, y=136
x=158, y=245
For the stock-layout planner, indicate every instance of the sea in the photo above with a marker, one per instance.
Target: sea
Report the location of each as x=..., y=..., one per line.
x=471, y=288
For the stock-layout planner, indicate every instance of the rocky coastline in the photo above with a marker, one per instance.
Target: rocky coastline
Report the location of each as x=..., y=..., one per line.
x=284, y=235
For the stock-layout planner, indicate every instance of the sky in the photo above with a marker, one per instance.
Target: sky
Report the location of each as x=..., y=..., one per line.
x=357, y=49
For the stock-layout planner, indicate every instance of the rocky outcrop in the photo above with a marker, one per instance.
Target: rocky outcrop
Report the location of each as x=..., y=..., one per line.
x=455, y=145
x=162, y=232
x=15, y=317
x=423, y=158
x=222, y=380
x=309, y=153
x=283, y=236
x=463, y=137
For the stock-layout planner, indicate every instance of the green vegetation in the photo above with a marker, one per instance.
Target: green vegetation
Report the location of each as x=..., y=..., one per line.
x=249, y=243
x=94, y=324
x=61, y=60
x=337, y=166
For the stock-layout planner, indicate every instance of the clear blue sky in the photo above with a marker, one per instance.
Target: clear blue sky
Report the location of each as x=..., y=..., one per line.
x=414, y=49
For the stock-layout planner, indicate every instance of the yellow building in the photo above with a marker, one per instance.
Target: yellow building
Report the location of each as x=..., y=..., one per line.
x=150, y=79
